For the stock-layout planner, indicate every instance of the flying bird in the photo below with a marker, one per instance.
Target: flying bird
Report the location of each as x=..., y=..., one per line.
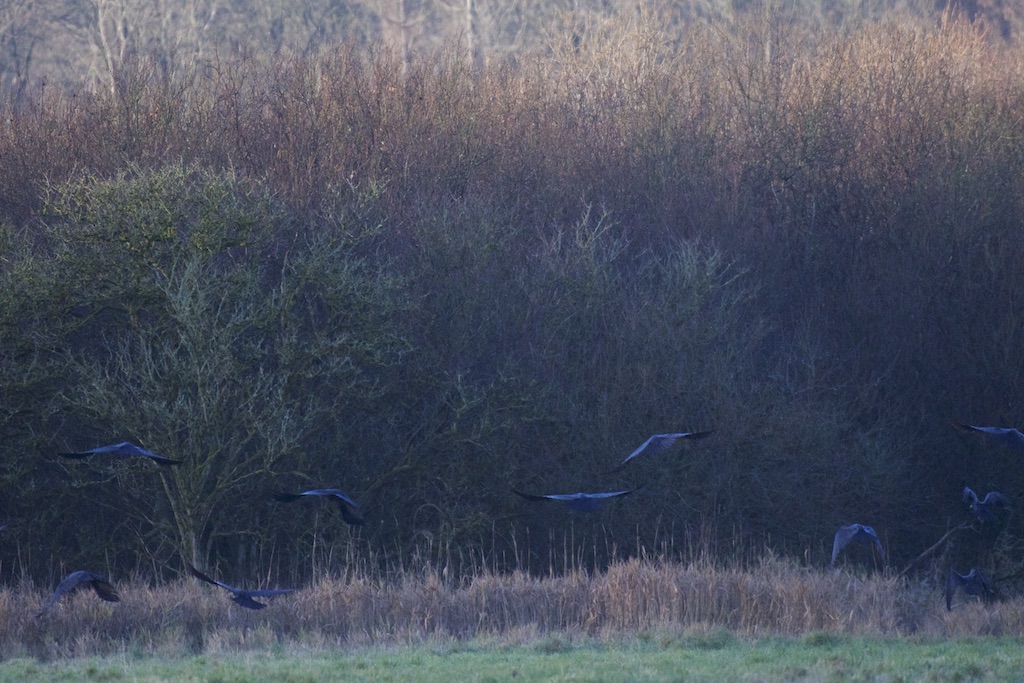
x=972, y=583
x=241, y=596
x=984, y=509
x=124, y=449
x=76, y=580
x=349, y=508
x=659, y=443
x=1002, y=436
x=856, y=532
x=578, y=502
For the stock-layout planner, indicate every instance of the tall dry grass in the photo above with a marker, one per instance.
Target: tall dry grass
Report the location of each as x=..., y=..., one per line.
x=775, y=597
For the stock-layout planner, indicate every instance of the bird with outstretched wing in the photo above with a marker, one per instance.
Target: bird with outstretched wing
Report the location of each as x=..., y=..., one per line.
x=124, y=449
x=659, y=443
x=1001, y=436
x=973, y=582
x=984, y=509
x=856, y=533
x=578, y=502
x=242, y=596
x=81, y=579
x=349, y=508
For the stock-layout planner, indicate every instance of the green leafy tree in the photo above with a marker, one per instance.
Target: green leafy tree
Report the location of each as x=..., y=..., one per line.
x=203, y=325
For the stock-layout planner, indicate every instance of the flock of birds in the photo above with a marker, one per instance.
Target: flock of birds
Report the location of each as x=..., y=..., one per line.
x=974, y=582
x=83, y=579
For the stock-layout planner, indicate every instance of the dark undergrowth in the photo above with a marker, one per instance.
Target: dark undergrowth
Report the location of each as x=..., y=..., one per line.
x=429, y=286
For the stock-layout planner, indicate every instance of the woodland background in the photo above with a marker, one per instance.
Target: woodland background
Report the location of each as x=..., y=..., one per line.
x=329, y=246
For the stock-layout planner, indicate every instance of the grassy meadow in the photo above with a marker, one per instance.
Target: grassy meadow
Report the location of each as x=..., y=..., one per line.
x=658, y=657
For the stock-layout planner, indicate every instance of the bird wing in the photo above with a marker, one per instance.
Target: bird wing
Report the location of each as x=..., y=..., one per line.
x=565, y=497
x=340, y=495
x=657, y=443
x=852, y=532
x=654, y=444
x=349, y=508
x=609, y=494
x=995, y=498
x=123, y=448
x=74, y=581
x=242, y=596
x=877, y=543
x=245, y=601
x=68, y=584
x=569, y=497
x=334, y=493
x=975, y=583
x=128, y=448
x=350, y=512
x=203, y=577
x=1005, y=436
x=105, y=590
x=843, y=536
x=867, y=533
x=531, y=496
x=982, y=582
x=1012, y=438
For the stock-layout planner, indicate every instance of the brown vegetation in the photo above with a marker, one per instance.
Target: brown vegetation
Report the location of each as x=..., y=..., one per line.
x=632, y=598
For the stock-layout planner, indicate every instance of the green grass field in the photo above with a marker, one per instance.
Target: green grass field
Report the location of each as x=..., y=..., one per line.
x=717, y=655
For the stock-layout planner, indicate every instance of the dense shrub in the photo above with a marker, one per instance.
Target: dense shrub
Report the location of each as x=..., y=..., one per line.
x=426, y=286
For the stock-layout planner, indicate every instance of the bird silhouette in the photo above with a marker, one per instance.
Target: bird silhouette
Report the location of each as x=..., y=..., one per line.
x=973, y=582
x=1002, y=436
x=349, y=508
x=123, y=449
x=76, y=580
x=239, y=595
x=659, y=443
x=984, y=509
x=859, y=533
x=578, y=502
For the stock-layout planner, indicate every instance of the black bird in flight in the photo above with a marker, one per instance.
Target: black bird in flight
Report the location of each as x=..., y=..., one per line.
x=1002, y=436
x=984, y=509
x=123, y=449
x=239, y=595
x=659, y=443
x=79, y=579
x=349, y=508
x=860, y=533
x=578, y=502
x=972, y=583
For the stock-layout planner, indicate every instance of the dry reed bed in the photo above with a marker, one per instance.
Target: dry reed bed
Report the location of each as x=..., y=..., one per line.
x=635, y=596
